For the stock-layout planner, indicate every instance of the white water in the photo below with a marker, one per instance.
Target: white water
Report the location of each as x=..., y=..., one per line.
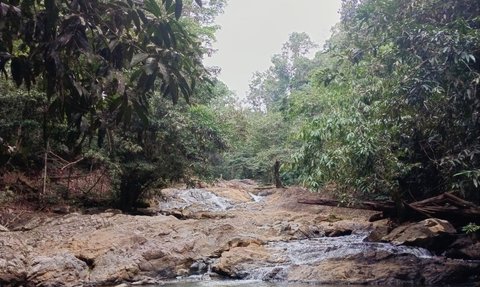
x=197, y=200
x=315, y=250
x=256, y=198
x=245, y=283
x=311, y=251
x=289, y=253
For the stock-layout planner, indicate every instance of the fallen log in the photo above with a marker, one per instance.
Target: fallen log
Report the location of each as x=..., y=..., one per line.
x=444, y=206
x=264, y=187
x=450, y=207
x=368, y=205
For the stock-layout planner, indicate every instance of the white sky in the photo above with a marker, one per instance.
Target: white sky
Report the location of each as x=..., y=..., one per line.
x=254, y=30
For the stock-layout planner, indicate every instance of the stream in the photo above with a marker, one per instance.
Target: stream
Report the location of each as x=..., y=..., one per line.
x=246, y=283
x=230, y=235
x=298, y=259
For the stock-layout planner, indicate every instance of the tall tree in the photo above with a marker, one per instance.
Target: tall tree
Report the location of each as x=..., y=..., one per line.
x=107, y=71
x=79, y=51
x=407, y=76
x=289, y=70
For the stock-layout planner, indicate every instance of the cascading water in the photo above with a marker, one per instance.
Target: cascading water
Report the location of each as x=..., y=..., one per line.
x=315, y=250
x=197, y=200
x=286, y=255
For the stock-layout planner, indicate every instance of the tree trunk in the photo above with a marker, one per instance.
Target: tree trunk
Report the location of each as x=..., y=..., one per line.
x=276, y=174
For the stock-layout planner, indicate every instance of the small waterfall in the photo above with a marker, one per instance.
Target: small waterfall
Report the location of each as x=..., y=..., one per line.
x=197, y=200
x=309, y=251
x=256, y=198
x=315, y=250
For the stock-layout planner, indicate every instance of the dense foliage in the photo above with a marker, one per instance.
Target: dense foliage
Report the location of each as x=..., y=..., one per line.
x=91, y=77
x=389, y=108
x=397, y=107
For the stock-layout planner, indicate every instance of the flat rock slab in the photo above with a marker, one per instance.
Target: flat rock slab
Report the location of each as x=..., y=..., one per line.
x=239, y=234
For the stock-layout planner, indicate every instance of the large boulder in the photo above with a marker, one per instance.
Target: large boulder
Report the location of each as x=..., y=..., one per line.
x=13, y=263
x=62, y=269
x=370, y=266
x=464, y=247
x=433, y=234
x=381, y=268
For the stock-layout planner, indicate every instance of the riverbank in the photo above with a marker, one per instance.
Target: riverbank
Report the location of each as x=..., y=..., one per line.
x=232, y=230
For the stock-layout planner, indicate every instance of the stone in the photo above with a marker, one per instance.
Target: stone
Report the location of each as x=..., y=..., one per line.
x=60, y=269
x=464, y=247
x=433, y=234
x=338, y=232
x=237, y=261
x=253, y=241
x=3, y=229
x=380, y=229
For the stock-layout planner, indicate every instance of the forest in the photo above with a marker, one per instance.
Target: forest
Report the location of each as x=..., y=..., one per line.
x=104, y=101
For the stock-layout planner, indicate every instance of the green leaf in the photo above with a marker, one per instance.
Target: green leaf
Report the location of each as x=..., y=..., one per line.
x=152, y=7
x=138, y=58
x=165, y=34
x=178, y=8
x=141, y=111
x=167, y=3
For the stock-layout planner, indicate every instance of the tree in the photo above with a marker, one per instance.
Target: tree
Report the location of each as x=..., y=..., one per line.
x=79, y=52
x=408, y=75
x=102, y=68
x=289, y=70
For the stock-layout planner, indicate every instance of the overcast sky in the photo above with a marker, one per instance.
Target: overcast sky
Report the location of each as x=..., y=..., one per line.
x=253, y=30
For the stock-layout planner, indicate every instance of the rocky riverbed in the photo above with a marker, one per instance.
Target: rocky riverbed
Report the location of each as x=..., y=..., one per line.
x=230, y=231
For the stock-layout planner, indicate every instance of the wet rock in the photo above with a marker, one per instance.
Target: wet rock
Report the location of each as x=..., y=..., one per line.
x=332, y=261
x=235, y=235
x=198, y=267
x=464, y=247
x=338, y=232
x=433, y=234
x=238, y=261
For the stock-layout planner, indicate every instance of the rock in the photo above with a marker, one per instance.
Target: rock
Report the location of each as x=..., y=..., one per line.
x=374, y=267
x=338, y=232
x=392, y=270
x=380, y=229
x=113, y=211
x=433, y=234
x=198, y=267
x=61, y=270
x=3, y=229
x=13, y=262
x=237, y=262
x=464, y=247
x=64, y=209
x=275, y=239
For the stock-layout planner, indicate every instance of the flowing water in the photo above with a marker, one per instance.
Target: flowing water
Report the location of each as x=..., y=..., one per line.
x=196, y=200
x=315, y=250
x=301, y=252
x=245, y=283
x=286, y=254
